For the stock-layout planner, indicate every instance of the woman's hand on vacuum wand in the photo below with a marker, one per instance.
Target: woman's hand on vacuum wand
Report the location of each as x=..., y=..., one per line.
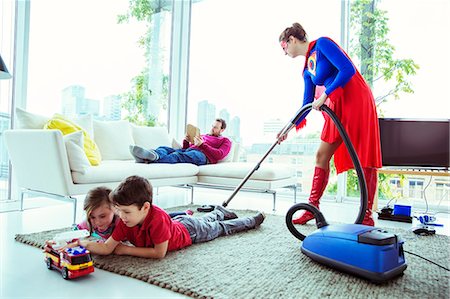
x=319, y=102
x=281, y=137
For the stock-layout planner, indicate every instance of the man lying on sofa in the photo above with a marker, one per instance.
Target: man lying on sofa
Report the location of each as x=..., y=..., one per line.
x=205, y=149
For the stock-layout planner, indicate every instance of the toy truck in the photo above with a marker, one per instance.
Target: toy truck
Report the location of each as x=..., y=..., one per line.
x=71, y=262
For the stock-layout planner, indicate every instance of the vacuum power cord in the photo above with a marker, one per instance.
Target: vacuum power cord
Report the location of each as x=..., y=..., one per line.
x=447, y=269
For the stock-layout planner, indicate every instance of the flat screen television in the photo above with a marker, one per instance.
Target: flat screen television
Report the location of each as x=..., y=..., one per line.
x=415, y=142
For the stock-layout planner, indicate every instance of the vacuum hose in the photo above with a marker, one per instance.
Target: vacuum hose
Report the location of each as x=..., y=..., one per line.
x=320, y=220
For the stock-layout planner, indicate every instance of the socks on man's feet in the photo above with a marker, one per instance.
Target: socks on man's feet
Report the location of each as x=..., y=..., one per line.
x=143, y=154
x=137, y=159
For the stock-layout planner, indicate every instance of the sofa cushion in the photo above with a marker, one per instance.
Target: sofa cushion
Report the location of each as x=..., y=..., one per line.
x=86, y=122
x=116, y=171
x=67, y=126
x=113, y=138
x=240, y=169
x=150, y=137
x=78, y=160
x=28, y=120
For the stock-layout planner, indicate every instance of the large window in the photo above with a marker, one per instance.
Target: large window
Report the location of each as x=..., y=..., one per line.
x=417, y=33
x=239, y=72
x=82, y=61
x=79, y=59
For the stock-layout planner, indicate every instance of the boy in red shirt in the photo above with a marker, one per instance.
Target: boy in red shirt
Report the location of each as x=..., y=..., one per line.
x=151, y=230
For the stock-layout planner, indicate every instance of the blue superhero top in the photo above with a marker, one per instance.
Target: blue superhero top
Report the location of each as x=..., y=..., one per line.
x=325, y=65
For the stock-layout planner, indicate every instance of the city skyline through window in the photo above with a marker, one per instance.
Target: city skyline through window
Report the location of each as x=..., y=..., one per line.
x=79, y=65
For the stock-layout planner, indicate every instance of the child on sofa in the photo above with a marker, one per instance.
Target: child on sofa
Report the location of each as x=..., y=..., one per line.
x=150, y=229
x=100, y=217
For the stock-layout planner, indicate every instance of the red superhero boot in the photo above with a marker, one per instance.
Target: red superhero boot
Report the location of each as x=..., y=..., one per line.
x=320, y=181
x=371, y=177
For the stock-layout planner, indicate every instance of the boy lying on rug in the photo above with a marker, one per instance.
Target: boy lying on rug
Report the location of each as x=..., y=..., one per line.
x=151, y=230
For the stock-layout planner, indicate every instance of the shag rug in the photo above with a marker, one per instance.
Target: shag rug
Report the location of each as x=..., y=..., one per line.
x=267, y=263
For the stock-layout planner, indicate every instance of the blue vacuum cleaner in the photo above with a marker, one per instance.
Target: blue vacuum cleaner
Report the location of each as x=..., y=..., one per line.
x=361, y=250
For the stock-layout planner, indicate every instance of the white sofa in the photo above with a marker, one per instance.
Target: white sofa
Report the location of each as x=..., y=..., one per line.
x=43, y=163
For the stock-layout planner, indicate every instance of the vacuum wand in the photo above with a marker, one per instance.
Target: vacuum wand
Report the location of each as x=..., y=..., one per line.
x=346, y=141
x=286, y=129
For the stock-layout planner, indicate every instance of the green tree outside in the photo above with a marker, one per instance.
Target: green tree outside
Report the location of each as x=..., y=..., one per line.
x=371, y=46
x=136, y=101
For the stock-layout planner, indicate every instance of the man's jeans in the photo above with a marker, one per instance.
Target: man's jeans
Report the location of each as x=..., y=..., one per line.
x=172, y=156
x=213, y=225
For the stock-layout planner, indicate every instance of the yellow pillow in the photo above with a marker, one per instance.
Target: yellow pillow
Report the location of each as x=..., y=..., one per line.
x=67, y=126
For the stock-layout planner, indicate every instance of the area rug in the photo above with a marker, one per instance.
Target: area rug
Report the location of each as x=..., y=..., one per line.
x=267, y=263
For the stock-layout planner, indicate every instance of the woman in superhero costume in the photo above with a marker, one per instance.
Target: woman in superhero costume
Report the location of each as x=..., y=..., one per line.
x=327, y=67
